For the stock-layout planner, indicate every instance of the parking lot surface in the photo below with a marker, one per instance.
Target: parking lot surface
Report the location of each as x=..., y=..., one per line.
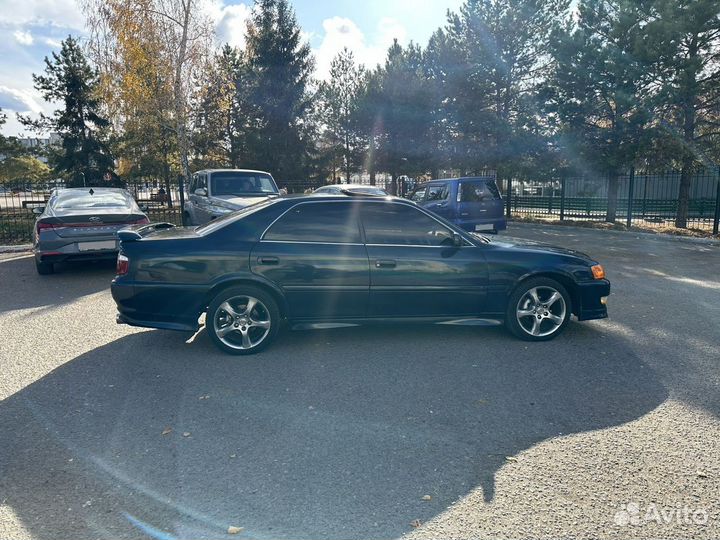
x=431, y=431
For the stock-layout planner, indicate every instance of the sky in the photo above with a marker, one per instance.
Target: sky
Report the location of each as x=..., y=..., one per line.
x=32, y=29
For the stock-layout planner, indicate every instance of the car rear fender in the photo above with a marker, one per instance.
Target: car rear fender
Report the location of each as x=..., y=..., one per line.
x=248, y=279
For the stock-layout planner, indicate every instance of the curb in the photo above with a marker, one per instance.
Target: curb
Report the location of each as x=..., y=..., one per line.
x=637, y=234
x=16, y=249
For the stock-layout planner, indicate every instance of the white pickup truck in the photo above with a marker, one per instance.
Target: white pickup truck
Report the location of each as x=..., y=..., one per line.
x=215, y=192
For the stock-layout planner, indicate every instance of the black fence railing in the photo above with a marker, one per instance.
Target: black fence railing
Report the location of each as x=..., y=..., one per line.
x=646, y=199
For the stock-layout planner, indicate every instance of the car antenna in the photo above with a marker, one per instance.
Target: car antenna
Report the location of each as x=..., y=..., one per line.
x=91, y=191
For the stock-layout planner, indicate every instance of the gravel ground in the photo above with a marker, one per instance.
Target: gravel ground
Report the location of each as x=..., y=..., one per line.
x=607, y=432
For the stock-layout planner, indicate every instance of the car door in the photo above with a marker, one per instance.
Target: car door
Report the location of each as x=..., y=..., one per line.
x=415, y=270
x=437, y=199
x=314, y=252
x=198, y=198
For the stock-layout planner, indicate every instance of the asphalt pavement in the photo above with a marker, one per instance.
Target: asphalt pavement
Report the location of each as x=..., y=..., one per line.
x=431, y=431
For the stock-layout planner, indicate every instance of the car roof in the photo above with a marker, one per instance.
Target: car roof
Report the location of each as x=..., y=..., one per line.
x=351, y=186
x=315, y=197
x=458, y=179
x=96, y=189
x=231, y=170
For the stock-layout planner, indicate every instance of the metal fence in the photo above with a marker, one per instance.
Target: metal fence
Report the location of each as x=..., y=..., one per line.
x=17, y=202
x=645, y=199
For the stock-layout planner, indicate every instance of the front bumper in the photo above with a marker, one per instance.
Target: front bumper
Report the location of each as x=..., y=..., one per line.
x=590, y=298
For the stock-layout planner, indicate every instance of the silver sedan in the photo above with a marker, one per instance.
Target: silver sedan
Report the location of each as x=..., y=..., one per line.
x=82, y=223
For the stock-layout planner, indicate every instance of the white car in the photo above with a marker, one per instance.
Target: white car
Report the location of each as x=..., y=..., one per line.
x=215, y=192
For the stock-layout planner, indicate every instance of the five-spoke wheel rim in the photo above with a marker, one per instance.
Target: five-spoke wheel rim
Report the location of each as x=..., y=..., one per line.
x=242, y=322
x=541, y=311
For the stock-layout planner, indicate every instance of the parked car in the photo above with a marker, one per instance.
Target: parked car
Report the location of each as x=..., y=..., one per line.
x=351, y=189
x=345, y=260
x=216, y=192
x=81, y=224
x=472, y=203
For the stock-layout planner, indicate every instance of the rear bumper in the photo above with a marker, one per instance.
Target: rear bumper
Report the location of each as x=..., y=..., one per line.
x=590, y=297
x=491, y=224
x=163, y=325
x=58, y=256
x=168, y=308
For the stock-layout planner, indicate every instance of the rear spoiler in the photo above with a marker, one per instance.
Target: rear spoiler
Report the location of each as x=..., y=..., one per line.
x=136, y=232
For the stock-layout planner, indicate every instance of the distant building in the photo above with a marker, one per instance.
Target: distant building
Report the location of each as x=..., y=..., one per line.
x=40, y=143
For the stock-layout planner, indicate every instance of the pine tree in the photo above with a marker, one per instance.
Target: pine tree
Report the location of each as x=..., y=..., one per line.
x=69, y=79
x=598, y=90
x=499, y=55
x=340, y=97
x=682, y=46
x=279, y=70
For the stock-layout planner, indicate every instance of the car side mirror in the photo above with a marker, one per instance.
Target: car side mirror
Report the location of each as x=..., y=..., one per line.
x=201, y=191
x=37, y=210
x=457, y=240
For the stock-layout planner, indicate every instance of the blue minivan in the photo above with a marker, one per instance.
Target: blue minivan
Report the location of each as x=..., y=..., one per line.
x=473, y=203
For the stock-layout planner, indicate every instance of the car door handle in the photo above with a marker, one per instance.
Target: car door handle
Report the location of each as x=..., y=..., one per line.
x=268, y=260
x=385, y=264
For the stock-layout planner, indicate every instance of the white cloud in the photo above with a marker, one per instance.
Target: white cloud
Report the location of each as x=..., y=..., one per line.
x=54, y=43
x=342, y=32
x=60, y=13
x=12, y=99
x=23, y=37
x=229, y=22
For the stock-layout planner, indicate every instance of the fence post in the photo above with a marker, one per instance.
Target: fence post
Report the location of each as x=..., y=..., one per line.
x=562, y=198
x=716, y=219
x=508, y=211
x=631, y=191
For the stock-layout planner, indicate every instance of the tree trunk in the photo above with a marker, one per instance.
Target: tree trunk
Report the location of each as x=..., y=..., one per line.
x=180, y=126
x=681, y=217
x=611, y=215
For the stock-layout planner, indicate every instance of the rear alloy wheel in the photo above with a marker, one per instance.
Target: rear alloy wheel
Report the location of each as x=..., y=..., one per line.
x=44, y=268
x=538, y=310
x=242, y=320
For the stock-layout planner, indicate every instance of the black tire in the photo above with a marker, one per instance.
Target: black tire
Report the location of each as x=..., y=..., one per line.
x=44, y=268
x=543, y=320
x=265, y=310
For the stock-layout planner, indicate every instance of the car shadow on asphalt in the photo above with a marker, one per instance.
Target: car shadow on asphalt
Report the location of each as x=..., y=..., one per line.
x=24, y=288
x=327, y=434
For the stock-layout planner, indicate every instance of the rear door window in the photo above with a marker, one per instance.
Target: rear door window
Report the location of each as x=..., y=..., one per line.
x=335, y=222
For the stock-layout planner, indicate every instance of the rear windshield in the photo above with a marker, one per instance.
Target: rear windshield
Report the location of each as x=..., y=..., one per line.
x=478, y=190
x=241, y=183
x=98, y=199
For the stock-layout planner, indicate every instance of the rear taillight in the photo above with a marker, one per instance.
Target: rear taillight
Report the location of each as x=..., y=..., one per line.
x=141, y=221
x=44, y=226
x=123, y=265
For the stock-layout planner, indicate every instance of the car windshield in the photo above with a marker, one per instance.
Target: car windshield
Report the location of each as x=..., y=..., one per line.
x=241, y=183
x=92, y=199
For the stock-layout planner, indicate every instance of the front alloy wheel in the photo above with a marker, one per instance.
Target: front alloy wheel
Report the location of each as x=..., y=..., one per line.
x=538, y=310
x=242, y=320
